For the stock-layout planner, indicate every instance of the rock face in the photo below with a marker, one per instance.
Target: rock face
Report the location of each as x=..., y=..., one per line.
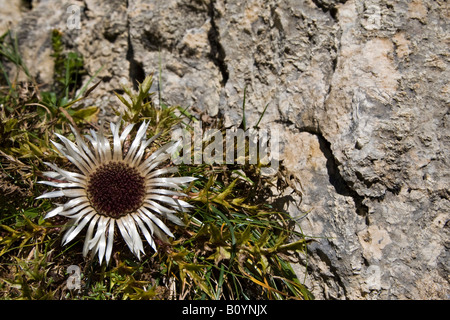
x=358, y=91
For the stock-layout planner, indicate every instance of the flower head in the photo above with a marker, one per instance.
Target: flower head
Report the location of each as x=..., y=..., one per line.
x=115, y=189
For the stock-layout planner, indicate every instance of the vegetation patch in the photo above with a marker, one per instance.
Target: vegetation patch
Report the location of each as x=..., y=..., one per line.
x=233, y=245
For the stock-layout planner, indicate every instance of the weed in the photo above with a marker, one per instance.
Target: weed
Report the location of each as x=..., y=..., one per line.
x=234, y=244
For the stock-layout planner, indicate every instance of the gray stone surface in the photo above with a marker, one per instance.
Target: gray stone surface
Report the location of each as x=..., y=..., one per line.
x=358, y=91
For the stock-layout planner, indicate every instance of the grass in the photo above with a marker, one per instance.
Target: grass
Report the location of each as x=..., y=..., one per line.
x=235, y=245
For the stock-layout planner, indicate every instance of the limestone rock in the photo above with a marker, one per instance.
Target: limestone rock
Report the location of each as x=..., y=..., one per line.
x=11, y=12
x=358, y=91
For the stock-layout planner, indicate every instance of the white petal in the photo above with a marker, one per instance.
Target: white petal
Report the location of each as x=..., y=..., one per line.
x=149, y=168
x=101, y=228
x=130, y=235
x=124, y=232
x=53, y=194
x=117, y=146
x=74, y=193
x=158, y=222
x=176, y=180
x=79, y=210
x=167, y=192
x=109, y=245
x=74, y=202
x=141, y=151
x=166, y=213
x=157, y=207
x=53, y=175
x=134, y=234
x=87, y=155
x=163, y=184
x=94, y=144
x=103, y=146
x=162, y=171
x=59, y=147
x=101, y=245
x=176, y=203
x=155, y=154
x=154, y=163
x=68, y=144
x=54, y=212
x=113, y=127
x=73, y=232
x=136, y=142
x=73, y=153
x=89, y=234
x=126, y=132
x=71, y=176
x=60, y=184
x=153, y=228
x=144, y=165
x=144, y=230
x=142, y=148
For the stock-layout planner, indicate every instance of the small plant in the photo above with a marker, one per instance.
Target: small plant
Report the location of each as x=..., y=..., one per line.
x=140, y=106
x=233, y=244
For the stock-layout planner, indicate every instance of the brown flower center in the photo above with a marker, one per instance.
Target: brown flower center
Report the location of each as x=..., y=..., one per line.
x=116, y=189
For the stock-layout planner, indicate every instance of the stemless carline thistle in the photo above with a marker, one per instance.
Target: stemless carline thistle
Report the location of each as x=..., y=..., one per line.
x=116, y=189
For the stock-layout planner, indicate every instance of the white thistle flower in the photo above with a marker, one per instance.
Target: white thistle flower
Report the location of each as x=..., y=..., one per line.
x=114, y=189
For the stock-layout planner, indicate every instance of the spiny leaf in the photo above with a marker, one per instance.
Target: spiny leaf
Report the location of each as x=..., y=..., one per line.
x=222, y=253
x=88, y=114
x=123, y=100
